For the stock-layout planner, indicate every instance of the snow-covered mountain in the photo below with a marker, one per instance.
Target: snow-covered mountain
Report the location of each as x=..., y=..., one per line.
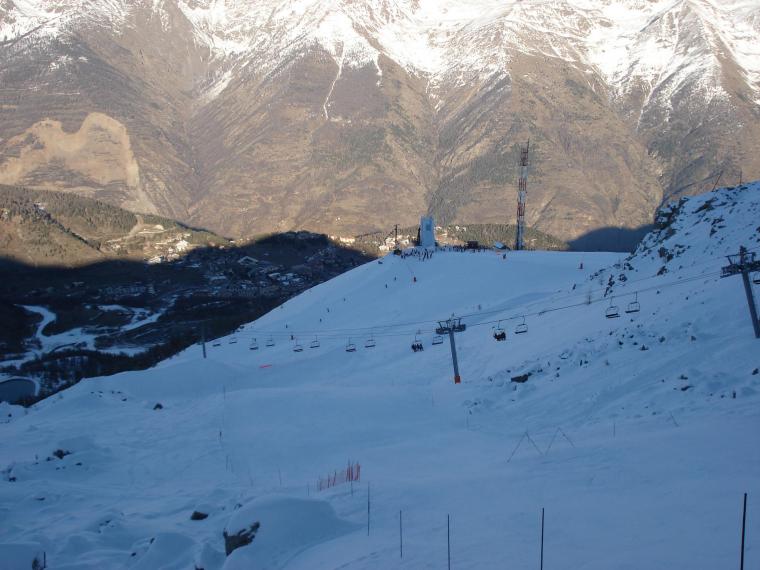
x=270, y=114
x=636, y=434
x=623, y=41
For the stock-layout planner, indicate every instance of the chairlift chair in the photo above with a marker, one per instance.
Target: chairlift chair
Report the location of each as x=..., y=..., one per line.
x=270, y=342
x=216, y=343
x=417, y=343
x=756, y=279
x=297, y=347
x=499, y=334
x=314, y=343
x=350, y=346
x=522, y=328
x=437, y=339
x=254, y=345
x=634, y=306
x=613, y=312
x=233, y=340
x=370, y=342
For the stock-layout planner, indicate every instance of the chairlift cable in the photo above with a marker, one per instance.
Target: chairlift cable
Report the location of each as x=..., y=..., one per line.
x=342, y=332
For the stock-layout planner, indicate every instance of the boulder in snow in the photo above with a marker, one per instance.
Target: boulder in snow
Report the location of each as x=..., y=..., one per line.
x=282, y=527
x=243, y=537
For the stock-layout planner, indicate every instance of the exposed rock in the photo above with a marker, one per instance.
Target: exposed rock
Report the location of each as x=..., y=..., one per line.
x=521, y=378
x=241, y=538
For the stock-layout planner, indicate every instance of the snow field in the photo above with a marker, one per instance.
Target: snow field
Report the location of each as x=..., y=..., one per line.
x=658, y=413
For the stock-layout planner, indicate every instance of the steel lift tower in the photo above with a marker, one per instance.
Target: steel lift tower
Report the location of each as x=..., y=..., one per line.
x=743, y=264
x=522, y=193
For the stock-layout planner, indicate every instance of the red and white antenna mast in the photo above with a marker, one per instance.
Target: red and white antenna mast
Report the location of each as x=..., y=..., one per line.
x=522, y=193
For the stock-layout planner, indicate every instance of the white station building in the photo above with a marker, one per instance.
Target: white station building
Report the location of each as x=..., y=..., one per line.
x=427, y=232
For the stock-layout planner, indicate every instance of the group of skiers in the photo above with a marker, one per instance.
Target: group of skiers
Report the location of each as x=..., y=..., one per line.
x=420, y=254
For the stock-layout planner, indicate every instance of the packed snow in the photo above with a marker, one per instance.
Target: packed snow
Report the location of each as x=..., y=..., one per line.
x=637, y=435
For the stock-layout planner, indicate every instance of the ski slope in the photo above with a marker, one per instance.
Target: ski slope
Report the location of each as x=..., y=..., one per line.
x=642, y=429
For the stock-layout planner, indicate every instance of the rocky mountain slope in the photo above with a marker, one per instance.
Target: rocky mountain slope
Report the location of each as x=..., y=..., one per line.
x=40, y=227
x=347, y=117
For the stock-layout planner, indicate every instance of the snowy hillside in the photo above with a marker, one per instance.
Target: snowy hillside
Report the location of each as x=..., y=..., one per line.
x=641, y=430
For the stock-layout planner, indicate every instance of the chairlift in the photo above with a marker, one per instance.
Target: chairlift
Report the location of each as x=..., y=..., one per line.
x=417, y=343
x=350, y=346
x=522, y=328
x=314, y=343
x=613, y=312
x=297, y=347
x=270, y=342
x=254, y=345
x=370, y=342
x=437, y=339
x=634, y=306
x=499, y=334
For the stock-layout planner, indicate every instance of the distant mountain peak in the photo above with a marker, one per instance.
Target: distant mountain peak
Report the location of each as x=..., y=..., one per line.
x=624, y=41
